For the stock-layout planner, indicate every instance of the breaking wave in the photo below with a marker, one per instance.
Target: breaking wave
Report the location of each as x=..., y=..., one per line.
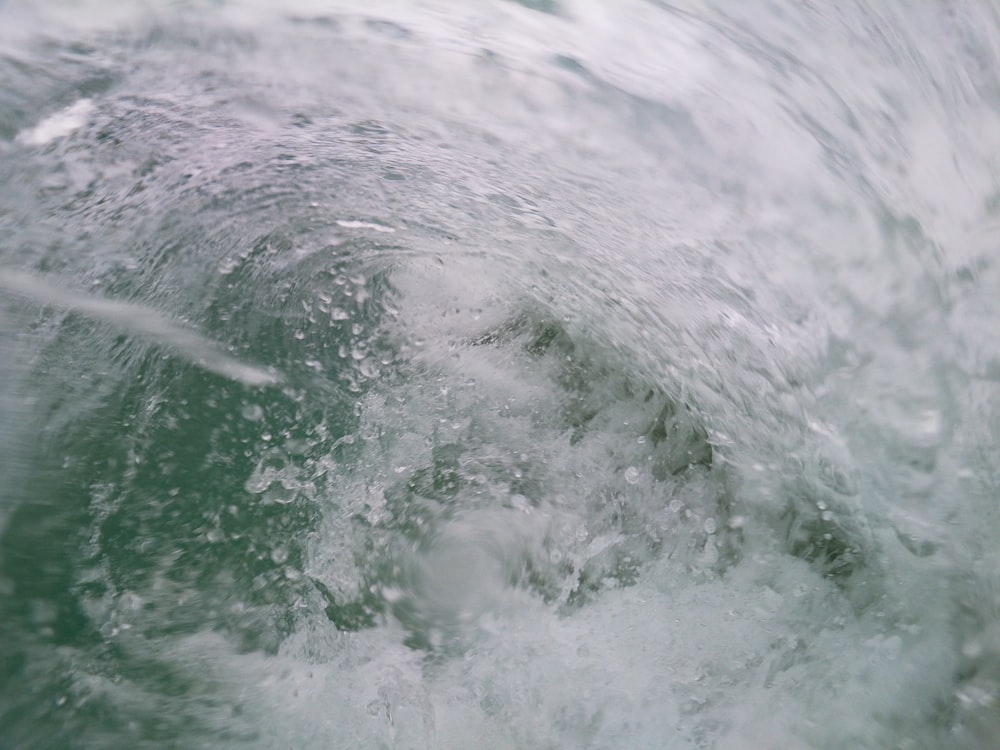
x=504, y=374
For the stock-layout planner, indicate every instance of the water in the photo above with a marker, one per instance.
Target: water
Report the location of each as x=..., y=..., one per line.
x=500, y=374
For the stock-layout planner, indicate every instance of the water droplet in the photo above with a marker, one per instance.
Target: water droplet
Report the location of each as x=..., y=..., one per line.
x=258, y=482
x=632, y=475
x=252, y=412
x=228, y=266
x=282, y=498
x=214, y=535
x=709, y=526
x=279, y=555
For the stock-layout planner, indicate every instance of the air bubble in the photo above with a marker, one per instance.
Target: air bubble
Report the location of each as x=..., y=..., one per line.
x=252, y=412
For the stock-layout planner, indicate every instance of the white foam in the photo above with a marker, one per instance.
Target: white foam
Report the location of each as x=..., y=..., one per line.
x=58, y=125
x=352, y=224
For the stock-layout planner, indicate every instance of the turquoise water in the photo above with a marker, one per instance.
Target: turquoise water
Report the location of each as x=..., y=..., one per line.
x=502, y=374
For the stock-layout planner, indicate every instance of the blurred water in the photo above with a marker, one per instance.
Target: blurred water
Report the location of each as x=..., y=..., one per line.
x=502, y=374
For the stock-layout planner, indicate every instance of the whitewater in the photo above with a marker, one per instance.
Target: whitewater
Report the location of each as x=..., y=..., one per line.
x=500, y=374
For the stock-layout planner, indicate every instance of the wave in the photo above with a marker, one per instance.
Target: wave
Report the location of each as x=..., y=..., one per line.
x=519, y=374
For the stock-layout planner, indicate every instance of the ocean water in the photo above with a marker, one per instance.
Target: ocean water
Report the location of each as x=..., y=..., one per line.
x=538, y=374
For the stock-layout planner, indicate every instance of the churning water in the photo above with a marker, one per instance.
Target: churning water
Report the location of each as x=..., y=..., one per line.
x=494, y=374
